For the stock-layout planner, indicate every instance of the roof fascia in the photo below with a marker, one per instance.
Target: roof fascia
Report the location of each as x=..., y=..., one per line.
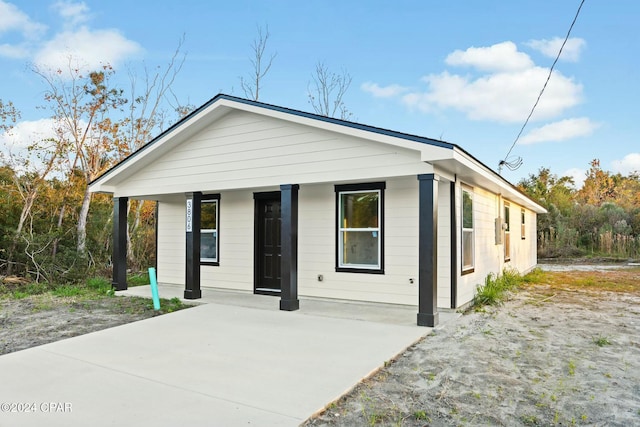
x=464, y=158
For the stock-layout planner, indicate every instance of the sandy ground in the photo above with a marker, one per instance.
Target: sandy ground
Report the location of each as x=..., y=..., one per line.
x=42, y=319
x=545, y=357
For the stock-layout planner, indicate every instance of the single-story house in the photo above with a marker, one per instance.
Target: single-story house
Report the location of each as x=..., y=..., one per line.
x=269, y=200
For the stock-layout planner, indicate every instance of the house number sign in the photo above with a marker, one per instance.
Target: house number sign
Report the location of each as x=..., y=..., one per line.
x=189, y=215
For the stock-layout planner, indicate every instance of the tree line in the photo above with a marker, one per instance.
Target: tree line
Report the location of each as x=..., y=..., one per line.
x=601, y=218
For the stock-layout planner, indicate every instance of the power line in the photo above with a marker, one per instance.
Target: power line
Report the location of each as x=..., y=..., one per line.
x=513, y=165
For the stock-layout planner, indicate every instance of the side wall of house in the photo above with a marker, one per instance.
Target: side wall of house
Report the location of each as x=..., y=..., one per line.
x=489, y=257
x=523, y=246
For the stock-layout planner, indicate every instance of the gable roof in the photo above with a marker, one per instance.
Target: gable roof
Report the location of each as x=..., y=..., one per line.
x=447, y=156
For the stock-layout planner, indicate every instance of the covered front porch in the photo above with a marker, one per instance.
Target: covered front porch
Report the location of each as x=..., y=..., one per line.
x=425, y=189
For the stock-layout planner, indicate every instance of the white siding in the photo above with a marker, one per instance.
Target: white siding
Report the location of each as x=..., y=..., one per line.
x=317, y=246
x=236, y=244
x=444, y=245
x=171, y=242
x=245, y=150
x=489, y=257
x=523, y=251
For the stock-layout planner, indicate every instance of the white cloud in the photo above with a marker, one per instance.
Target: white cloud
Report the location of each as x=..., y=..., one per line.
x=502, y=86
x=13, y=19
x=26, y=133
x=630, y=163
x=383, y=91
x=498, y=57
x=14, y=144
x=502, y=97
x=571, y=52
x=85, y=45
x=14, y=51
x=73, y=13
x=578, y=175
x=560, y=131
x=91, y=47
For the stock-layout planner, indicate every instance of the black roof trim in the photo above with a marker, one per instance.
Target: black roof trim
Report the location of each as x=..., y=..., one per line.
x=353, y=125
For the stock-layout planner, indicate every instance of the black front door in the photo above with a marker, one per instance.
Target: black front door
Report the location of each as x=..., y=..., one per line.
x=267, y=243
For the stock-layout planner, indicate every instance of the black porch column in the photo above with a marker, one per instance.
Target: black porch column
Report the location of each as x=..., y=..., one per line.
x=289, y=249
x=428, y=250
x=119, y=257
x=192, y=273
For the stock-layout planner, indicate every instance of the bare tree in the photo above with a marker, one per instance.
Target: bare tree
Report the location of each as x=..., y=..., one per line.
x=82, y=105
x=260, y=63
x=327, y=92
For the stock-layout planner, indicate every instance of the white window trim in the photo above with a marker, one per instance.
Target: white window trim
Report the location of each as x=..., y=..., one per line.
x=341, y=230
x=367, y=187
x=211, y=230
x=507, y=232
x=467, y=268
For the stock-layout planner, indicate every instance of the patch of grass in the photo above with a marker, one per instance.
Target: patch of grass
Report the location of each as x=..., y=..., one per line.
x=622, y=280
x=495, y=288
x=100, y=285
x=572, y=367
x=19, y=295
x=138, y=279
x=536, y=275
x=170, y=305
x=601, y=341
x=529, y=420
x=67, y=291
x=421, y=416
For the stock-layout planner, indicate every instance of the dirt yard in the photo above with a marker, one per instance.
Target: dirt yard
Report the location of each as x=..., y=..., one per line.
x=564, y=353
x=41, y=319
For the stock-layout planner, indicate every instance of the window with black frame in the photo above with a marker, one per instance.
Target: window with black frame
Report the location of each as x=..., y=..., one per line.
x=209, y=242
x=360, y=228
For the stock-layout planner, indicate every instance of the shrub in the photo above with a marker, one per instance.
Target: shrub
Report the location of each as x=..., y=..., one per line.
x=495, y=288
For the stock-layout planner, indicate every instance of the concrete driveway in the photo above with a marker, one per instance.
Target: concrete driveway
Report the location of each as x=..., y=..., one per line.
x=214, y=364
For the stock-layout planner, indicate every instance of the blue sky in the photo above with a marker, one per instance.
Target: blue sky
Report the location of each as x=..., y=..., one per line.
x=466, y=72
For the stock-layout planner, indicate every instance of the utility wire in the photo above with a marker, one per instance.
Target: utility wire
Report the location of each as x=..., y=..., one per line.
x=518, y=162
